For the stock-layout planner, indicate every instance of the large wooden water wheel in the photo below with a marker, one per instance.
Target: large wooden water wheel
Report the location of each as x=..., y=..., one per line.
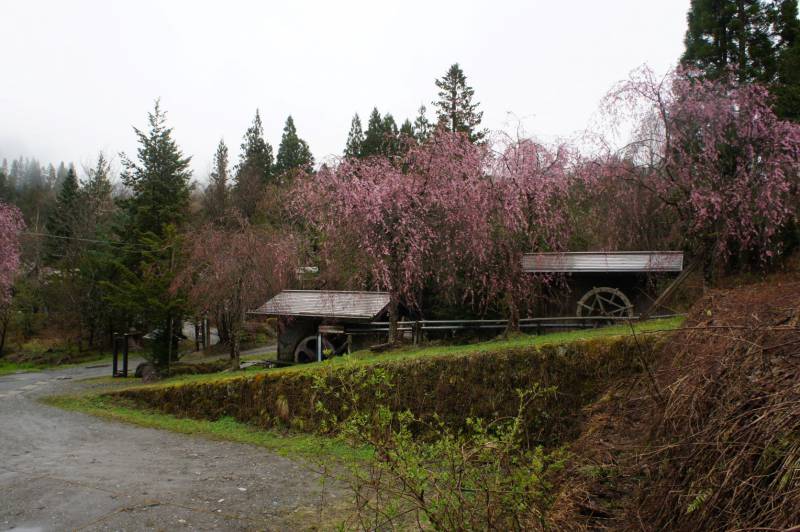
x=306, y=350
x=605, y=301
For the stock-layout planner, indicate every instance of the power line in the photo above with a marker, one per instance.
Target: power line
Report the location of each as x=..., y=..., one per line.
x=92, y=240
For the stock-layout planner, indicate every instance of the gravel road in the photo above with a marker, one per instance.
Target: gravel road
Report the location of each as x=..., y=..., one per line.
x=69, y=471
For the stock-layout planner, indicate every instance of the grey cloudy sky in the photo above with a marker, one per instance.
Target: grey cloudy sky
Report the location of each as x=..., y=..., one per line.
x=76, y=75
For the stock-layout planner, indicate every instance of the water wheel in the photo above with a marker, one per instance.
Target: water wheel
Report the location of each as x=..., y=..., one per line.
x=605, y=301
x=306, y=349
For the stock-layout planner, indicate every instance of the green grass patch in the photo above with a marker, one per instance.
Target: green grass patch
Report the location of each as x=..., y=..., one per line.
x=8, y=367
x=409, y=353
x=525, y=340
x=225, y=429
x=11, y=366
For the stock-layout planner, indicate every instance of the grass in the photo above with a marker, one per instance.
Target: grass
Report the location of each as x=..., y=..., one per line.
x=524, y=340
x=7, y=367
x=410, y=353
x=224, y=429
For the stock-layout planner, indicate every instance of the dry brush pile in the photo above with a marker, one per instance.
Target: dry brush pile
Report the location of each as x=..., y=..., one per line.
x=713, y=442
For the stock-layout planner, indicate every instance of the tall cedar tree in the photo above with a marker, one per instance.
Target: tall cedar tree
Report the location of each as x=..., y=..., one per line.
x=159, y=205
x=355, y=138
x=454, y=108
x=759, y=39
x=158, y=180
x=96, y=195
x=373, y=138
x=422, y=126
x=256, y=152
x=254, y=170
x=62, y=222
x=382, y=136
x=216, y=197
x=390, y=135
x=293, y=153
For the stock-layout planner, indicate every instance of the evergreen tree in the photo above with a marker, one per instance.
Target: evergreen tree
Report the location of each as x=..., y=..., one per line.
x=390, y=145
x=256, y=152
x=96, y=196
x=787, y=88
x=407, y=129
x=355, y=139
x=158, y=181
x=760, y=39
x=373, y=138
x=62, y=222
x=7, y=192
x=254, y=170
x=454, y=108
x=422, y=127
x=293, y=152
x=217, y=193
x=61, y=173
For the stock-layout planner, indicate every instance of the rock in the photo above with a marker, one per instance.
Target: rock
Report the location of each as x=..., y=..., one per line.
x=147, y=372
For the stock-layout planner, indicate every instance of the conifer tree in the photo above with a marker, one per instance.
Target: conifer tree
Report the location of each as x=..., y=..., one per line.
x=158, y=179
x=216, y=196
x=96, y=195
x=390, y=145
x=373, y=138
x=254, y=170
x=62, y=222
x=256, y=153
x=407, y=129
x=61, y=173
x=293, y=153
x=422, y=127
x=759, y=39
x=355, y=138
x=454, y=108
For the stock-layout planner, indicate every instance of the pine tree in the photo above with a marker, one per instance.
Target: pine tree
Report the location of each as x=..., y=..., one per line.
x=256, y=152
x=787, y=88
x=254, y=170
x=158, y=180
x=96, y=196
x=454, y=108
x=373, y=138
x=390, y=135
x=422, y=127
x=355, y=139
x=62, y=222
x=61, y=173
x=759, y=39
x=293, y=153
x=216, y=196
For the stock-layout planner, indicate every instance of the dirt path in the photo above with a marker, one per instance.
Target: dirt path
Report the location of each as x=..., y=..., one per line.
x=64, y=470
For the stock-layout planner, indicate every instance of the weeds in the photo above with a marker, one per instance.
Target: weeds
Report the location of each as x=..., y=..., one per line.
x=426, y=474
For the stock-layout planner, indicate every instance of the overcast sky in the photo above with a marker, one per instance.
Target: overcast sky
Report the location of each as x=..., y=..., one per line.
x=76, y=75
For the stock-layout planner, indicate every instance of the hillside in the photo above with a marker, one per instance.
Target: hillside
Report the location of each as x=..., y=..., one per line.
x=712, y=441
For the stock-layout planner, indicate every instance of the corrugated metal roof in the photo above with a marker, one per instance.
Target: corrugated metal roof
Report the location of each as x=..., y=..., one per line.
x=601, y=261
x=326, y=304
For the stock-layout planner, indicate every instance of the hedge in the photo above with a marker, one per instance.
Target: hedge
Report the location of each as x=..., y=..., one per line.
x=451, y=387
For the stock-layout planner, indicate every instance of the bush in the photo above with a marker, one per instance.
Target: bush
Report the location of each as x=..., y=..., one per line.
x=422, y=472
x=450, y=387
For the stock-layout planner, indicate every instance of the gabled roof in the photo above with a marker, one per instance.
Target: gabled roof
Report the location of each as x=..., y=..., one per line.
x=602, y=261
x=326, y=304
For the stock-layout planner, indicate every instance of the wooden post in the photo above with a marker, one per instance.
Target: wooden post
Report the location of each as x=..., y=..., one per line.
x=667, y=294
x=115, y=343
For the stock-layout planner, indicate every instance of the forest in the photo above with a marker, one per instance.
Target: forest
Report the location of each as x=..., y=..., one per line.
x=436, y=211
